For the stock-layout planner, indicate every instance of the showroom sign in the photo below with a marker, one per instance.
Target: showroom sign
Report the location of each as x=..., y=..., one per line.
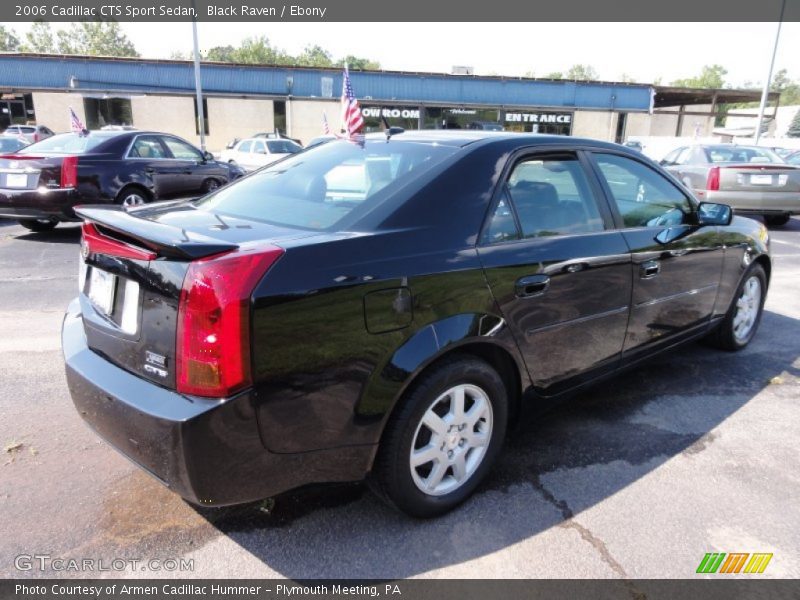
x=390, y=113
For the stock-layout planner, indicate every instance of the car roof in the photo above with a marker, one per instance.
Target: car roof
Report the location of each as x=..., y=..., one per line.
x=465, y=137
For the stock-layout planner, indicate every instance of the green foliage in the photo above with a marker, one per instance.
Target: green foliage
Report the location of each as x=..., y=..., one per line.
x=359, y=64
x=95, y=39
x=221, y=54
x=581, y=73
x=90, y=38
x=39, y=39
x=788, y=88
x=9, y=42
x=794, y=127
x=314, y=56
x=712, y=76
x=554, y=75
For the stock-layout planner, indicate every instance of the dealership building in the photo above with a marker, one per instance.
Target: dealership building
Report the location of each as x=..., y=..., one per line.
x=241, y=100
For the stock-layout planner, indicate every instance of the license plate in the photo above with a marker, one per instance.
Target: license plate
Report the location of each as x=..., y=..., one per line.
x=761, y=179
x=101, y=290
x=16, y=180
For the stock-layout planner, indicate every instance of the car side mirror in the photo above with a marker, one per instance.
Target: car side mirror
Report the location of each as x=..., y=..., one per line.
x=711, y=213
x=207, y=156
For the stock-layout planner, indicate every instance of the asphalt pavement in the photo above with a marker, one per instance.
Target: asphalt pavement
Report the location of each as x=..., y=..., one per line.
x=695, y=452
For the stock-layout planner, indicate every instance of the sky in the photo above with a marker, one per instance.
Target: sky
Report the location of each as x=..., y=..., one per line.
x=643, y=51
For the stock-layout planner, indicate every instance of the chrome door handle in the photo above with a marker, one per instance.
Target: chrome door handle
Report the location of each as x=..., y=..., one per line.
x=649, y=269
x=532, y=285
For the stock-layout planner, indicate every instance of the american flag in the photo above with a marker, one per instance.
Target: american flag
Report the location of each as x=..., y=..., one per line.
x=326, y=129
x=352, y=120
x=76, y=125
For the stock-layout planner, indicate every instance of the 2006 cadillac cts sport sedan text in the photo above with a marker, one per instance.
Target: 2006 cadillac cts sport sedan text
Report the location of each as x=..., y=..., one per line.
x=385, y=311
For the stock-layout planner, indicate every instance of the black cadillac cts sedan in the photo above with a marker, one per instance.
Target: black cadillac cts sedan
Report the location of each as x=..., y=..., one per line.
x=42, y=183
x=385, y=311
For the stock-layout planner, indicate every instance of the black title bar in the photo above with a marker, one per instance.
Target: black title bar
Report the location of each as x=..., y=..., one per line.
x=400, y=10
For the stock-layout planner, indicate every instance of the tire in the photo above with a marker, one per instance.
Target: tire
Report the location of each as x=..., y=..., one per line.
x=777, y=220
x=734, y=334
x=38, y=225
x=459, y=460
x=133, y=195
x=209, y=185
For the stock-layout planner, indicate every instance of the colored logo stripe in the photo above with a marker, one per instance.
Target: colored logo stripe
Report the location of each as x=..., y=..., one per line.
x=758, y=563
x=722, y=562
x=734, y=563
x=711, y=562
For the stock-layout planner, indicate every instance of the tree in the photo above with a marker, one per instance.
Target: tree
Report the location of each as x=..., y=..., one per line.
x=712, y=76
x=359, y=64
x=555, y=75
x=95, y=39
x=625, y=78
x=315, y=56
x=794, y=127
x=581, y=73
x=258, y=50
x=39, y=39
x=221, y=54
x=787, y=87
x=9, y=42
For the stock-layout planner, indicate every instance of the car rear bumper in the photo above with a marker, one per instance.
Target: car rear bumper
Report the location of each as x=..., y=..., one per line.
x=208, y=451
x=757, y=202
x=34, y=204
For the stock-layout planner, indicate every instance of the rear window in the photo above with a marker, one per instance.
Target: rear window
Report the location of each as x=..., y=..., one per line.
x=323, y=187
x=741, y=154
x=283, y=147
x=67, y=143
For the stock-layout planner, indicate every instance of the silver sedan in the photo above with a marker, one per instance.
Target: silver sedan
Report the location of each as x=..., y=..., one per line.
x=751, y=179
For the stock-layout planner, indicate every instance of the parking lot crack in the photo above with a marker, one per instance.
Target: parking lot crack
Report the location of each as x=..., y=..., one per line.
x=586, y=534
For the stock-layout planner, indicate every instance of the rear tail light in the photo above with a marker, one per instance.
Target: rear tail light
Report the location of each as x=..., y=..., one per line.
x=712, y=183
x=213, y=344
x=97, y=243
x=69, y=172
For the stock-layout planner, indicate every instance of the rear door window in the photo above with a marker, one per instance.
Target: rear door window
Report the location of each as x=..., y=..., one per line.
x=148, y=147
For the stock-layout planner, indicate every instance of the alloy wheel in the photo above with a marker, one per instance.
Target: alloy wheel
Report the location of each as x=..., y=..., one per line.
x=451, y=440
x=747, y=307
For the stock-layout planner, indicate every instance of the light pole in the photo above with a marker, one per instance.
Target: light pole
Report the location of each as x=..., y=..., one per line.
x=198, y=87
x=765, y=92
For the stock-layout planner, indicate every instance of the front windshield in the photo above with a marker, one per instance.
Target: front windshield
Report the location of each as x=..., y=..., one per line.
x=319, y=188
x=742, y=154
x=66, y=143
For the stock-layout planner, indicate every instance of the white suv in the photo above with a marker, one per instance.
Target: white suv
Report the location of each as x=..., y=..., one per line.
x=32, y=133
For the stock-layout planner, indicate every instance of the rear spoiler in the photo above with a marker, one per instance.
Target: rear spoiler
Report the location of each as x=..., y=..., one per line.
x=166, y=240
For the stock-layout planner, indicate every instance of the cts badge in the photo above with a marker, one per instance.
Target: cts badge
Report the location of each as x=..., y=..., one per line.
x=84, y=250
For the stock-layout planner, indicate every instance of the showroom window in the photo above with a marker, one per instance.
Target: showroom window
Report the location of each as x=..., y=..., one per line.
x=101, y=112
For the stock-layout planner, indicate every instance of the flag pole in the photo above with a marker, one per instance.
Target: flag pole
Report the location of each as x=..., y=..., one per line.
x=201, y=126
x=765, y=91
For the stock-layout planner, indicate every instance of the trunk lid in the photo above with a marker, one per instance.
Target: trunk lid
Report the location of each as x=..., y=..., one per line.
x=28, y=172
x=750, y=177
x=133, y=265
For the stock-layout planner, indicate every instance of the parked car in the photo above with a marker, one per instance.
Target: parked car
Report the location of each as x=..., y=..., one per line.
x=42, y=183
x=793, y=158
x=254, y=153
x=387, y=311
x=320, y=139
x=486, y=125
x=276, y=135
x=31, y=133
x=753, y=180
x=634, y=145
x=9, y=145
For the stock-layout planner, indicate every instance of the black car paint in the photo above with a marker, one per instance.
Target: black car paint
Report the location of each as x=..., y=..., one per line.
x=345, y=322
x=103, y=173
